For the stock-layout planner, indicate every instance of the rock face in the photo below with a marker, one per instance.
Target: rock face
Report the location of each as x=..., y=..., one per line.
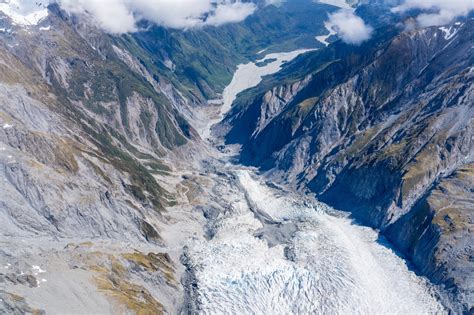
x=440, y=232
x=94, y=139
x=84, y=126
x=85, y=123
x=383, y=130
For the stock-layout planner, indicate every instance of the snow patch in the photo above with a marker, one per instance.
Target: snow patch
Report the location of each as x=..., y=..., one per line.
x=24, y=12
x=37, y=270
x=169, y=64
x=449, y=32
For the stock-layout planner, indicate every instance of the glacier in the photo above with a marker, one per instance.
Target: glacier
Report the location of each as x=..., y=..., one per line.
x=275, y=252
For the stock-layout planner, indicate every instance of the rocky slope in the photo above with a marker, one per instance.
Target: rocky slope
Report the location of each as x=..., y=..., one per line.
x=84, y=129
x=76, y=104
x=95, y=147
x=383, y=130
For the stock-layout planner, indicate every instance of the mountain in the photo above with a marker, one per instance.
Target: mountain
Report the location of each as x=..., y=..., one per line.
x=85, y=129
x=116, y=197
x=383, y=130
x=95, y=133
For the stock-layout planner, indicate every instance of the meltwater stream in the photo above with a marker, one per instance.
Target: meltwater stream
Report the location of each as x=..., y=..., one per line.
x=275, y=252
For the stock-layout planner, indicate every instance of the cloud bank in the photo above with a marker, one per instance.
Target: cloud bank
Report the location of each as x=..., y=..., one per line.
x=439, y=12
x=349, y=27
x=122, y=16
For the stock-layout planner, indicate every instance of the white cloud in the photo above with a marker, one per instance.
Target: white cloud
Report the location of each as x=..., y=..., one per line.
x=439, y=12
x=112, y=15
x=121, y=16
x=274, y=2
x=349, y=27
x=23, y=12
x=231, y=13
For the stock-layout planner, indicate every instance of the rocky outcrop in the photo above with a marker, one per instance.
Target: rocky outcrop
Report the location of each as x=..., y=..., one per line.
x=374, y=130
x=437, y=233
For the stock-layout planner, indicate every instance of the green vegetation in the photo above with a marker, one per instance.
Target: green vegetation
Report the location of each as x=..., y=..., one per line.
x=114, y=280
x=205, y=59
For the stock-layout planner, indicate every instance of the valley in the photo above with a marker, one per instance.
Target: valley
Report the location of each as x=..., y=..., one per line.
x=298, y=157
x=268, y=250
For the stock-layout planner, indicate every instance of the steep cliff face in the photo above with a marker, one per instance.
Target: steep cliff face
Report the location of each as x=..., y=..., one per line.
x=85, y=122
x=78, y=106
x=377, y=130
x=437, y=232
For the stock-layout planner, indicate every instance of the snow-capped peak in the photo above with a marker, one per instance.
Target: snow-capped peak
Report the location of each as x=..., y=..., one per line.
x=24, y=12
